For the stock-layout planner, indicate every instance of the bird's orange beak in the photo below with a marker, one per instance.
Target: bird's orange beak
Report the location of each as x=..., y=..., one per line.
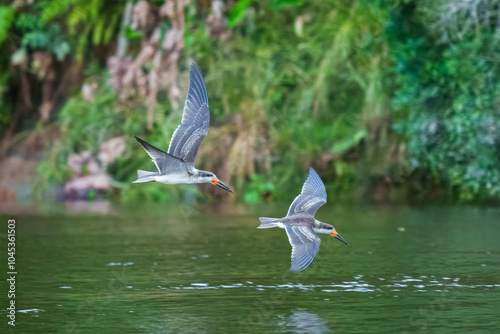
x=337, y=236
x=220, y=184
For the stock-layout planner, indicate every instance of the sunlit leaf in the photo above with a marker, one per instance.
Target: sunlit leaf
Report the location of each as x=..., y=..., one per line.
x=132, y=34
x=238, y=12
x=55, y=8
x=19, y=56
x=61, y=50
x=108, y=32
x=35, y=40
x=7, y=14
x=349, y=142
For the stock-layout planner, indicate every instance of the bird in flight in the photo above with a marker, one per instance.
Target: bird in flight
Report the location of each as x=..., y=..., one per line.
x=300, y=224
x=177, y=164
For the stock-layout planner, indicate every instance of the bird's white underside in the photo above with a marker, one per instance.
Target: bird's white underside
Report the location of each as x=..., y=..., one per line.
x=316, y=230
x=175, y=179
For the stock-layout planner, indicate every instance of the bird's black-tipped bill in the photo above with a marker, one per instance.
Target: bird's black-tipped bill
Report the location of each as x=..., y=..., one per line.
x=338, y=237
x=221, y=184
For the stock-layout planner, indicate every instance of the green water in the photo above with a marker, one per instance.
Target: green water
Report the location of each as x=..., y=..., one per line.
x=182, y=270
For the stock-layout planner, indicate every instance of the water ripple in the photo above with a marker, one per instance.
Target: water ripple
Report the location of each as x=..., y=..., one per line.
x=405, y=282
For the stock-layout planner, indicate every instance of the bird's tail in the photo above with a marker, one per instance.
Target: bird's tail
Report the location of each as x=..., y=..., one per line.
x=143, y=176
x=269, y=222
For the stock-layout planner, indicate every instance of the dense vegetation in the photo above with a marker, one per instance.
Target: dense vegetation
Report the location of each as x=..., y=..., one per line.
x=389, y=100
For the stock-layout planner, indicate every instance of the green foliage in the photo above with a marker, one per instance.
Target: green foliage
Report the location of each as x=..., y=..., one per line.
x=282, y=4
x=345, y=86
x=447, y=107
x=132, y=34
x=257, y=189
x=52, y=9
x=5, y=108
x=91, y=22
x=48, y=40
x=85, y=125
x=318, y=89
x=7, y=14
x=38, y=36
x=238, y=12
x=349, y=141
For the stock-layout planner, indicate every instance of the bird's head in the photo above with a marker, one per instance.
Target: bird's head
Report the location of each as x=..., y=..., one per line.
x=328, y=229
x=209, y=177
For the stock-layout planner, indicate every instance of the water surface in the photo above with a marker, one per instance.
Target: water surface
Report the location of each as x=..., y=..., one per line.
x=183, y=270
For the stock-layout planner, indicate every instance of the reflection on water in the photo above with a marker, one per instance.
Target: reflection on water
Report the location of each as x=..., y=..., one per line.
x=303, y=322
x=156, y=272
x=99, y=207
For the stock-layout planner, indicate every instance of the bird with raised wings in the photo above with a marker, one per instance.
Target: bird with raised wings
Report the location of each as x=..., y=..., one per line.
x=177, y=164
x=300, y=224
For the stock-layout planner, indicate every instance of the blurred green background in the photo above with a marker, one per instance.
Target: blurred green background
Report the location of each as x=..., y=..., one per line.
x=390, y=101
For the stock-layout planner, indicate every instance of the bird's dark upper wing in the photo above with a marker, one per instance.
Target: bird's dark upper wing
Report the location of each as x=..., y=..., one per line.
x=188, y=136
x=305, y=245
x=163, y=161
x=312, y=197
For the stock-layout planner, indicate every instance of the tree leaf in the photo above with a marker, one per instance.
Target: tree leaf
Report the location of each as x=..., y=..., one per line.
x=98, y=31
x=238, y=12
x=7, y=14
x=61, y=50
x=35, y=40
x=131, y=34
x=18, y=56
x=55, y=8
x=349, y=142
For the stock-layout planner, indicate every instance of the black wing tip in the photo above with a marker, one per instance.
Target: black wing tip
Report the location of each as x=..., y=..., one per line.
x=139, y=140
x=147, y=146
